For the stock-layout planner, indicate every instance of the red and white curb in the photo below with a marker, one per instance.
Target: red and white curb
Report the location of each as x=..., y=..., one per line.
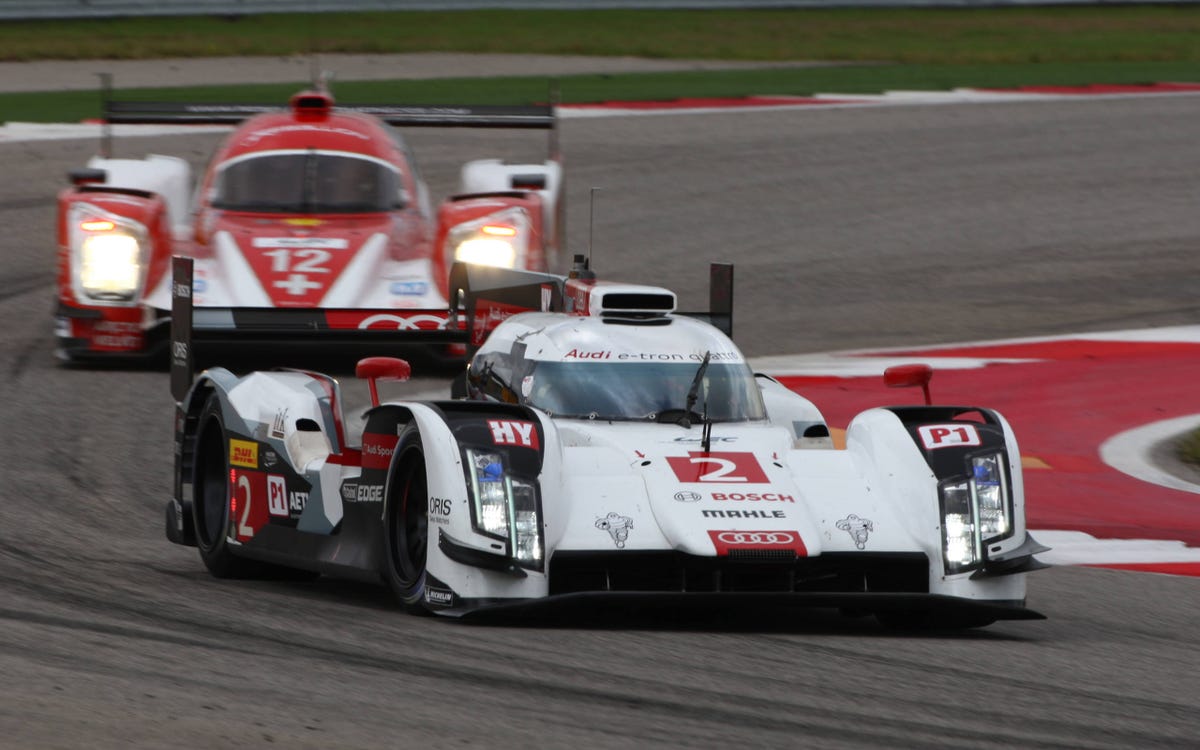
x=14, y=132
x=1087, y=410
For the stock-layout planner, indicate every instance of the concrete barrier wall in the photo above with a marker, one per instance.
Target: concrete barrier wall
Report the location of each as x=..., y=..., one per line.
x=44, y=9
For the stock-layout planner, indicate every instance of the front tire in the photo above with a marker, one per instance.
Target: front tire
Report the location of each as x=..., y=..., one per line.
x=406, y=522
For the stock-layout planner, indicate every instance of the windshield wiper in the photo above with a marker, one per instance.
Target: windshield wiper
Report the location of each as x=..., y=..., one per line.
x=694, y=391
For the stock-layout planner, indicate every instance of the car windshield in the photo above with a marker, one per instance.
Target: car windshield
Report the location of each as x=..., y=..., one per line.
x=308, y=182
x=642, y=391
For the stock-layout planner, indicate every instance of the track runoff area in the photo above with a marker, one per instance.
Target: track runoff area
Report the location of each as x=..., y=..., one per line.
x=1094, y=413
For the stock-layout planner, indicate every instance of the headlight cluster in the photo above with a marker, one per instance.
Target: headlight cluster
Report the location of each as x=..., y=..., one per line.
x=505, y=506
x=108, y=255
x=500, y=239
x=976, y=511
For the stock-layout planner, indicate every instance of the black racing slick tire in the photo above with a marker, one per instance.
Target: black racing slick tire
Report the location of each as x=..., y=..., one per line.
x=210, y=497
x=210, y=506
x=406, y=522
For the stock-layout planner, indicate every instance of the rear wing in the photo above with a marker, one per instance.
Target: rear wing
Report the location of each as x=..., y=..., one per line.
x=132, y=112
x=481, y=297
x=124, y=112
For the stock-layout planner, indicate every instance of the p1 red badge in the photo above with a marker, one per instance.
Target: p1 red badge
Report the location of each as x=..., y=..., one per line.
x=514, y=432
x=948, y=435
x=721, y=467
x=727, y=541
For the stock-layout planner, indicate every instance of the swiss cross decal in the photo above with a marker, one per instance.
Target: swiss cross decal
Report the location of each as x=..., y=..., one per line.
x=514, y=432
x=948, y=435
x=719, y=466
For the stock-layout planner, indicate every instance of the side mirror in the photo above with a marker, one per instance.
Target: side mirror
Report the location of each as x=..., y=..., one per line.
x=373, y=369
x=907, y=376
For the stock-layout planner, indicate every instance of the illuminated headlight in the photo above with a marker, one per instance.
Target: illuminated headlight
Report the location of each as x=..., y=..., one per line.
x=960, y=542
x=975, y=512
x=490, y=491
x=108, y=255
x=527, y=534
x=500, y=239
x=505, y=506
x=110, y=266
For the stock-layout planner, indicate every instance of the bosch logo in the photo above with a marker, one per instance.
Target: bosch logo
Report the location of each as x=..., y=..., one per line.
x=687, y=497
x=781, y=538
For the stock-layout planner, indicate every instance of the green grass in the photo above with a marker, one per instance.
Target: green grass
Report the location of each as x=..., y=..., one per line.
x=882, y=49
x=77, y=105
x=956, y=36
x=1188, y=449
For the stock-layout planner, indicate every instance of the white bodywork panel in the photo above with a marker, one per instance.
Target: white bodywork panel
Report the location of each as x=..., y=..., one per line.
x=168, y=176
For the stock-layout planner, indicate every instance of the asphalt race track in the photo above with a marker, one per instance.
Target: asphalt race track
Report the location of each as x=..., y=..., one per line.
x=850, y=228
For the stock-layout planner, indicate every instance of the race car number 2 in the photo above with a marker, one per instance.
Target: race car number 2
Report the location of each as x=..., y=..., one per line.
x=725, y=467
x=948, y=435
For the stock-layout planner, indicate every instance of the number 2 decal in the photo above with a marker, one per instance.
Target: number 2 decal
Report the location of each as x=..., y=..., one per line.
x=724, y=467
x=243, y=530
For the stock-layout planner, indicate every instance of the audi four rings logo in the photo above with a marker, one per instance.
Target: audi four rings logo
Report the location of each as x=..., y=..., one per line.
x=756, y=537
x=410, y=323
x=687, y=497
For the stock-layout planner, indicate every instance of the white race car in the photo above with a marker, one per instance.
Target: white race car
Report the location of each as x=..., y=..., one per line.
x=607, y=447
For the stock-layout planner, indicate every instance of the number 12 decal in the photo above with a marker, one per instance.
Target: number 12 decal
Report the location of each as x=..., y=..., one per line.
x=948, y=435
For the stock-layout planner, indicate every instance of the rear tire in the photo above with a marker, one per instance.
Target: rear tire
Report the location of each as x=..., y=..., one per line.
x=406, y=522
x=210, y=506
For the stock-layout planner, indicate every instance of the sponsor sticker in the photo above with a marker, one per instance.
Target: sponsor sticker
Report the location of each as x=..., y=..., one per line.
x=514, y=432
x=752, y=497
x=409, y=288
x=728, y=541
x=617, y=526
x=279, y=423
x=725, y=467
x=743, y=514
x=858, y=529
x=441, y=597
x=302, y=243
x=935, y=436
x=243, y=453
x=439, y=510
x=370, y=493
x=688, y=496
x=377, y=448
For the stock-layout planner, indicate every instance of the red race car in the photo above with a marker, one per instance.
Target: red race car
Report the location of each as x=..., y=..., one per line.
x=314, y=206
